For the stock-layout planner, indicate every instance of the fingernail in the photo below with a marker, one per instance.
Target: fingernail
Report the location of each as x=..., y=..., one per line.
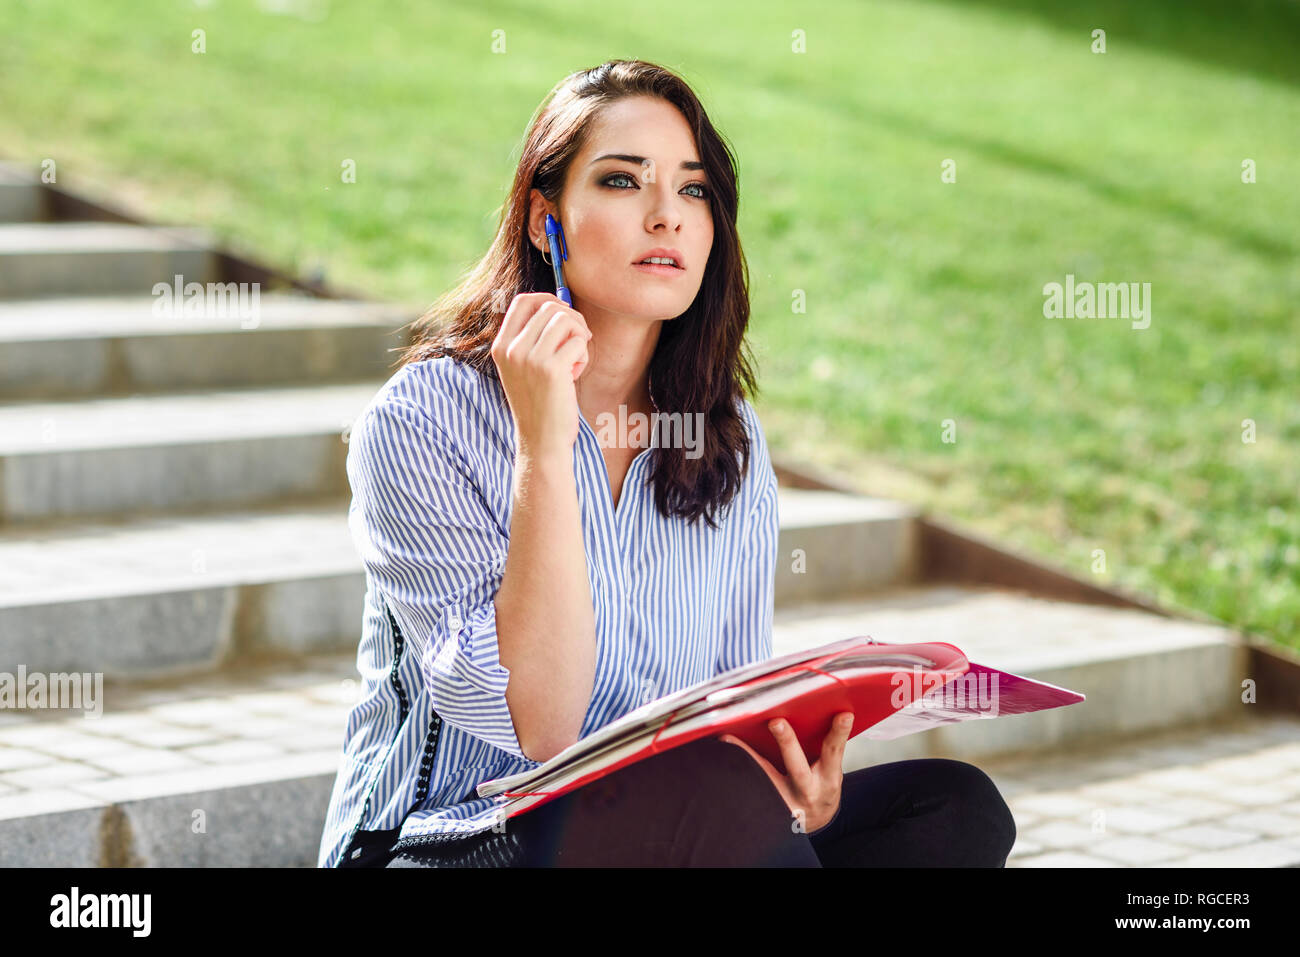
x=778, y=726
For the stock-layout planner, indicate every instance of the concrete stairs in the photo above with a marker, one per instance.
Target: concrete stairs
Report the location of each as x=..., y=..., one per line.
x=173, y=515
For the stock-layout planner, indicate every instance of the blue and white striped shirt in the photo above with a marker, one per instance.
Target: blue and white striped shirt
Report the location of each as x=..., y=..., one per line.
x=430, y=463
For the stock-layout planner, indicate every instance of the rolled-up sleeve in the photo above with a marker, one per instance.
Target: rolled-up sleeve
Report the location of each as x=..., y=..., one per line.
x=747, y=635
x=436, y=555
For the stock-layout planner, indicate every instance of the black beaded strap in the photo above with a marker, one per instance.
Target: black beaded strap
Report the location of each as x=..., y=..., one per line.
x=395, y=675
x=481, y=849
x=435, y=722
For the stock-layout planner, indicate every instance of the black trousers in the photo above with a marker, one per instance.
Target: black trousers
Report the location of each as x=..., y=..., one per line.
x=708, y=804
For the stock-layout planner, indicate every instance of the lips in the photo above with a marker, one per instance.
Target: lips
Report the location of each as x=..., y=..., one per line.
x=661, y=252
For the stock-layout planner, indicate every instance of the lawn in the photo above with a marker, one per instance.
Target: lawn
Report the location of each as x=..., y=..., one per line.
x=924, y=298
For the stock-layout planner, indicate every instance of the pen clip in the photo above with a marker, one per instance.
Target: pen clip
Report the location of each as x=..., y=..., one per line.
x=564, y=246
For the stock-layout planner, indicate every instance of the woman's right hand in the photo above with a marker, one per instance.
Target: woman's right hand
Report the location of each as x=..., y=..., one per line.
x=539, y=352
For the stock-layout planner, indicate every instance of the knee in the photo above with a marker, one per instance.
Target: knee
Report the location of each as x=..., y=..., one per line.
x=982, y=804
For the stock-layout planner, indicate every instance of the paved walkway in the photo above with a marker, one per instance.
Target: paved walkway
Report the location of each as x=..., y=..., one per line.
x=1228, y=797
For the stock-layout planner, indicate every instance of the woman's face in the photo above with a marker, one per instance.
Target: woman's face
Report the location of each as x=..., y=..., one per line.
x=616, y=211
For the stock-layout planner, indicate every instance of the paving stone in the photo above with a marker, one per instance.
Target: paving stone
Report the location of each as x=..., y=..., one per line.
x=1290, y=784
x=1186, y=808
x=1246, y=769
x=1050, y=804
x=53, y=776
x=11, y=759
x=256, y=727
x=1025, y=848
x=1252, y=795
x=42, y=801
x=1268, y=823
x=112, y=725
x=1024, y=819
x=171, y=737
x=1113, y=793
x=1135, y=851
x=1178, y=780
x=1287, y=756
x=325, y=741
x=1269, y=853
x=75, y=745
x=35, y=734
x=268, y=704
x=1209, y=837
x=1139, y=820
x=142, y=761
x=1061, y=859
x=231, y=752
x=202, y=712
x=1059, y=834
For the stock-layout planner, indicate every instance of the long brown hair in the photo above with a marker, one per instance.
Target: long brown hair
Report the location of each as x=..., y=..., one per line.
x=700, y=360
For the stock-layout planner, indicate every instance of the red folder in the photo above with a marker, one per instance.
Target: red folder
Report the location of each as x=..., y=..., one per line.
x=887, y=696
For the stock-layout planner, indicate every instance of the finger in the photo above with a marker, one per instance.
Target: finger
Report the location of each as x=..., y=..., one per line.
x=518, y=312
x=562, y=327
x=526, y=341
x=573, y=355
x=832, y=754
x=796, y=763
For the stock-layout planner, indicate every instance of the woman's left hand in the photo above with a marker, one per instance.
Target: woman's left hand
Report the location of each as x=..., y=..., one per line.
x=811, y=793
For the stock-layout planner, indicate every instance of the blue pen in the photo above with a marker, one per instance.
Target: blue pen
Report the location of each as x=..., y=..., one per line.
x=559, y=251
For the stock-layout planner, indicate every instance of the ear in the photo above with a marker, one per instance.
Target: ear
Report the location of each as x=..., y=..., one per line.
x=538, y=207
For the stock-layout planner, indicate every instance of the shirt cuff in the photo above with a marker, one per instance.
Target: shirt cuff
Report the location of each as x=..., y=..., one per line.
x=467, y=682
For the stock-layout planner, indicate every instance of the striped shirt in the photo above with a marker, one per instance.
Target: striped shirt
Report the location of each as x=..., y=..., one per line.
x=430, y=463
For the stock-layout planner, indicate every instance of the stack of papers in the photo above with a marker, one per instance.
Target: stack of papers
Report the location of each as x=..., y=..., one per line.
x=892, y=690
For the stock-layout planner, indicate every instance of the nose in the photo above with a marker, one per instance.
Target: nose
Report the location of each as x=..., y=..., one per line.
x=666, y=210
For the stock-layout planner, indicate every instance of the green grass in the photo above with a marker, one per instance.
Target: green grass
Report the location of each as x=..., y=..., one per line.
x=924, y=299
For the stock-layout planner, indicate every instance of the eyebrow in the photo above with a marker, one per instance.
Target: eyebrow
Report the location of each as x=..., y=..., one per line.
x=629, y=158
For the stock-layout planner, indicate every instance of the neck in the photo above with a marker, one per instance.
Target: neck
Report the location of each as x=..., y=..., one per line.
x=617, y=371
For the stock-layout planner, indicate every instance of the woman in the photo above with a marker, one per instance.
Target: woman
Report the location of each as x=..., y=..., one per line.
x=529, y=581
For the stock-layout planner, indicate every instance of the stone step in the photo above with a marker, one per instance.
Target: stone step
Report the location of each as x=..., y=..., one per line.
x=95, y=457
x=236, y=771
x=21, y=198
x=90, y=258
x=1140, y=672
x=174, y=595
x=232, y=771
x=113, y=345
